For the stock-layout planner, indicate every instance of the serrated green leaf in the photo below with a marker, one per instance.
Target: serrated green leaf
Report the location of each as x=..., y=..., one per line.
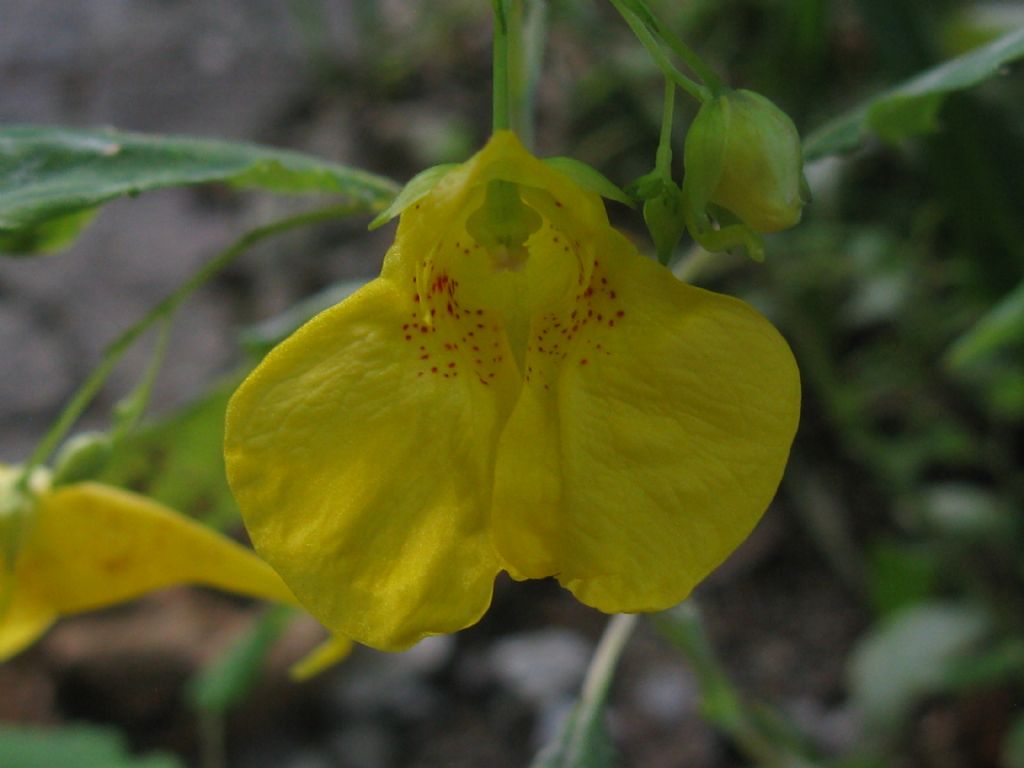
x=52, y=178
x=78, y=745
x=418, y=186
x=223, y=683
x=179, y=460
x=911, y=108
x=589, y=178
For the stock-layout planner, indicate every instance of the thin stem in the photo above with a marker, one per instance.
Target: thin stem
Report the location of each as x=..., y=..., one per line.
x=643, y=34
x=602, y=667
x=129, y=411
x=663, y=160
x=681, y=49
x=513, y=78
x=114, y=351
x=500, y=95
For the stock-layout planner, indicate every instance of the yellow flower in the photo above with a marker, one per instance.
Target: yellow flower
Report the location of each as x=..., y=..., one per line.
x=518, y=390
x=87, y=546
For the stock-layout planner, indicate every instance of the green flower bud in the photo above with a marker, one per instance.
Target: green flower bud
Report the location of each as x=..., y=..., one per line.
x=82, y=457
x=16, y=506
x=743, y=154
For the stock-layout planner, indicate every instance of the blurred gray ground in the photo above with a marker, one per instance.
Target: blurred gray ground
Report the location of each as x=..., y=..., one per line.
x=223, y=69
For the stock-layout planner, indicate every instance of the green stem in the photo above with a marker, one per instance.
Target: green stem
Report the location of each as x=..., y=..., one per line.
x=643, y=34
x=500, y=95
x=663, y=160
x=129, y=411
x=681, y=49
x=602, y=667
x=116, y=349
x=513, y=77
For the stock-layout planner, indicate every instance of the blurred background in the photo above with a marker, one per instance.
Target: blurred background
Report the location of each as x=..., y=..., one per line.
x=875, y=616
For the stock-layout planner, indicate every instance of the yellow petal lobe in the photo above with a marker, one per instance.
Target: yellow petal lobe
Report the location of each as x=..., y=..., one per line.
x=324, y=656
x=23, y=620
x=361, y=452
x=649, y=439
x=91, y=545
x=86, y=546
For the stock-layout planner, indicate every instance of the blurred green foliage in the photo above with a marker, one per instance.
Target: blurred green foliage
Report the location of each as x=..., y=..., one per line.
x=82, y=746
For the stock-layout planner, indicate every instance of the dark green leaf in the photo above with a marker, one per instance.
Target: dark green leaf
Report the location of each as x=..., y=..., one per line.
x=911, y=108
x=52, y=178
x=79, y=746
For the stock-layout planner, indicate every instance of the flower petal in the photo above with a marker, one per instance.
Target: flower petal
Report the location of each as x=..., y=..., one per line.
x=91, y=546
x=22, y=622
x=362, y=462
x=643, y=452
x=331, y=651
